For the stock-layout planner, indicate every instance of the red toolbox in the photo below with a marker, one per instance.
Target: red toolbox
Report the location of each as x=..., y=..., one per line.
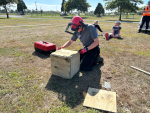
x=44, y=47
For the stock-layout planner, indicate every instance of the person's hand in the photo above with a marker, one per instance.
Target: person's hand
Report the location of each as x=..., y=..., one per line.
x=103, y=35
x=60, y=48
x=84, y=50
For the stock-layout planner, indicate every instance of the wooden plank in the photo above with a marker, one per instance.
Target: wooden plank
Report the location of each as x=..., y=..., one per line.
x=101, y=99
x=140, y=70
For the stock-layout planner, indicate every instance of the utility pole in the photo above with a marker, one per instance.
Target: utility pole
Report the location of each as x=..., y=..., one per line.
x=41, y=11
x=89, y=12
x=31, y=13
x=36, y=9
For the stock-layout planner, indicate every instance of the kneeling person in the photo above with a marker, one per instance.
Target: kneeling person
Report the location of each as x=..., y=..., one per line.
x=87, y=34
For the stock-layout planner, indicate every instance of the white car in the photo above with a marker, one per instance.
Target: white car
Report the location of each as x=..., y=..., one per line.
x=144, y=26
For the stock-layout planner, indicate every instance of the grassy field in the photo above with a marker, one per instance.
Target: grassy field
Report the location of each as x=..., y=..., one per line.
x=130, y=18
x=27, y=84
x=9, y=13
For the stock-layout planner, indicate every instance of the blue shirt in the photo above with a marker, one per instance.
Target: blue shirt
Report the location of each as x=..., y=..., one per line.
x=116, y=29
x=87, y=36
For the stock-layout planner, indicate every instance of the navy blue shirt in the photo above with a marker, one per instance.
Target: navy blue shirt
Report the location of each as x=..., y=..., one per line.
x=116, y=29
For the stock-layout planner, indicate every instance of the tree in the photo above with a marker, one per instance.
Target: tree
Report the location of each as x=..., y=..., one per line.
x=62, y=5
x=140, y=10
x=103, y=11
x=129, y=8
x=21, y=6
x=28, y=11
x=80, y=5
x=11, y=11
x=122, y=5
x=4, y=4
x=99, y=10
x=3, y=11
x=16, y=11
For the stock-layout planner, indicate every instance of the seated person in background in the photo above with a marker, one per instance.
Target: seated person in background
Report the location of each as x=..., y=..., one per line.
x=97, y=26
x=115, y=30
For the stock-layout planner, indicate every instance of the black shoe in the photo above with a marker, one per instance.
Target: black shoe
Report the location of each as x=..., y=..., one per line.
x=139, y=31
x=145, y=31
x=110, y=36
x=100, y=60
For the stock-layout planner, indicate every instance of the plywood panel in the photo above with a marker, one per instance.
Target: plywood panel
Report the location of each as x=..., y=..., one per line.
x=65, y=53
x=60, y=67
x=75, y=64
x=65, y=63
x=101, y=99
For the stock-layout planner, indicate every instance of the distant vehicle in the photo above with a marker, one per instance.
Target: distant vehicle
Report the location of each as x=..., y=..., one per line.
x=144, y=26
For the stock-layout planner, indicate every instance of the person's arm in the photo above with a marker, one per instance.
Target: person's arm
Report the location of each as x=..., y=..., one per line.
x=68, y=43
x=119, y=32
x=113, y=31
x=94, y=36
x=94, y=44
x=143, y=10
x=99, y=28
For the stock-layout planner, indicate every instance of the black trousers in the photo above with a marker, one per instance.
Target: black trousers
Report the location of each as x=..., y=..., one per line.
x=89, y=58
x=147, y=20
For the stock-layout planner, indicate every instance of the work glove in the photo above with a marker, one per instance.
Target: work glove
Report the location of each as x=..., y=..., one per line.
x=60, y=48
x=84, y=50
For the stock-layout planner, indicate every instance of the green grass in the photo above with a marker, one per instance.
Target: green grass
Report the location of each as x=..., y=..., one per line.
x=11, y=52
x=142, y=53
x=9, y=13
x=63, y=108
x=102, y=18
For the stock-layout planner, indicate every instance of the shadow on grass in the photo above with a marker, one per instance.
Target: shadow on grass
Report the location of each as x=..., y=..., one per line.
x=4, y=18
x=130, y=21
x=143, y=32
x=73, y=91
x=41, y=55
x=120, y=38
x=130, y=18
x=72, y=17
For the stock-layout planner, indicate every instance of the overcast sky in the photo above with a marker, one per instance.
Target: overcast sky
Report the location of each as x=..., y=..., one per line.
x=54, y=5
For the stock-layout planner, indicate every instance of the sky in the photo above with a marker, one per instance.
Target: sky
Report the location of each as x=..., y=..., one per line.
x=55, y=5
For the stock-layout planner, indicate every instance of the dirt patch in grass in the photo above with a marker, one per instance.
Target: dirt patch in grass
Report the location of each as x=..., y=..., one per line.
x=27, y=84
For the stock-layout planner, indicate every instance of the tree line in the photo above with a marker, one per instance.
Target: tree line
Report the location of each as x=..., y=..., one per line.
x=21, y=6
x=126, y=6
x=80, y=6
x=122, y=6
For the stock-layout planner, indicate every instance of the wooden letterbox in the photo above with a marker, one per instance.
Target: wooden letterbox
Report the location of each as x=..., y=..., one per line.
x=65, y=63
